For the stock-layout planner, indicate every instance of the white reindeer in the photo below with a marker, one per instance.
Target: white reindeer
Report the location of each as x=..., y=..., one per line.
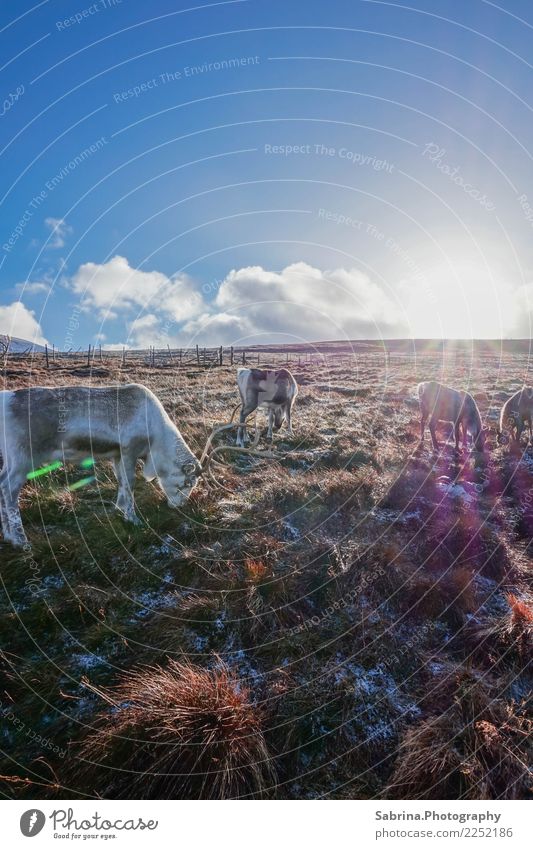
x=272, y=389
x=122, y=423
x=442, y=404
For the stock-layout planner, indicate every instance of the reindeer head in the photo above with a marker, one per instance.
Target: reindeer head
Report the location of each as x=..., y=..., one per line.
x=180, y=480
x=279, y=415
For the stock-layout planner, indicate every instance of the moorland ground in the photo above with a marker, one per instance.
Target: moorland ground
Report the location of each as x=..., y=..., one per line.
x=352, y=620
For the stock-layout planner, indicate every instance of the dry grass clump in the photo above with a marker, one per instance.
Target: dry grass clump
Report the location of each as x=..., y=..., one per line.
x=450, y=595
x=506, y=638
x=479, y=748
x=178, y=732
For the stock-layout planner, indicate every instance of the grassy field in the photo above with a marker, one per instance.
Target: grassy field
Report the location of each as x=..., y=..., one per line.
x=352, y=621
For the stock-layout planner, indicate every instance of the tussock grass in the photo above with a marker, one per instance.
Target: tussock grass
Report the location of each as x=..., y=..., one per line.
x=479, y=748
x=178, y=731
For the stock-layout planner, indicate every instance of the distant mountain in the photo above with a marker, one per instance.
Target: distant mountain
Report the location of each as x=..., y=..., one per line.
x=18, y=346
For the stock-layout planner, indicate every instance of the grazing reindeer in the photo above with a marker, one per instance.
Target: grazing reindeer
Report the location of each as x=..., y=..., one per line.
x=441, y=404
x=273, y=389
x=118, y=423
x=516, y=412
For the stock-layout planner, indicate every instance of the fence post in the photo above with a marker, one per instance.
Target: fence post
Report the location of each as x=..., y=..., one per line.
x=244, y=358
x=198, y=355
x=220, y=356
x=123, y=356
x=46, y=356
x=53, y=352
x=180, y=356
x=89, y=356
x=169, y=353
x=231, y=355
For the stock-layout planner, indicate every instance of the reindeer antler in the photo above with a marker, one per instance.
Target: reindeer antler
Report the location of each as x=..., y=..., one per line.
x=209, y=454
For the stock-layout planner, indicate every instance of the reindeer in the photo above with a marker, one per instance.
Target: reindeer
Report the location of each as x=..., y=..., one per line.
x=442, y=404
x=273, y=389
x=515, y=413
x=122, y=424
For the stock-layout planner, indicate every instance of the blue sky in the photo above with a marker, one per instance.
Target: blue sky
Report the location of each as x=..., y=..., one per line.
x=256, y=171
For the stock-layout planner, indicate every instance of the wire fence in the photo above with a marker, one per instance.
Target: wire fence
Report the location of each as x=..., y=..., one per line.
x=358, y=355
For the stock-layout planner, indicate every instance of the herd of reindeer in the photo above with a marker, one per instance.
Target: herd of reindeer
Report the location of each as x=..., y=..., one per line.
x=127, y=423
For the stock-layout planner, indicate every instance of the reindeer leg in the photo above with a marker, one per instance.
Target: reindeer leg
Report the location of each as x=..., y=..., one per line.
x=433, y=433
x=10, y=486
x=423, y=420
x=125, y=473
x=457, y=432
x=270, y=425
x=242, y=436
x=288, y=414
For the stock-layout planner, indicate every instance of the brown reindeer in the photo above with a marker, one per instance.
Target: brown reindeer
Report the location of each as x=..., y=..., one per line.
x=440, y=403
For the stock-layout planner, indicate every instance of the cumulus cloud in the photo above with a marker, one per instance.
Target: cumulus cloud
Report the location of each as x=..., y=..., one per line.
x=17, y=320
x=298, y=303
x=303, y=302
x=60, y=230
x=37, y=288
x=114, y=287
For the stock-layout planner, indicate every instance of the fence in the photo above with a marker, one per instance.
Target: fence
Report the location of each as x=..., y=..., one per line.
x=197, y=357
x=359, y=357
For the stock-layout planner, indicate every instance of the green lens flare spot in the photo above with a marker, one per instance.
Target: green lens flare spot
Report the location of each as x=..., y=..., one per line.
x=45, y=470
x=87, y=463
x=82, y=482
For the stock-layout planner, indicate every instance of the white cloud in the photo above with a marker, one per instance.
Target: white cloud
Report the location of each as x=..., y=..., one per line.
x=17, y=320
x=37, y=288
x=114, y=287
x=60, y=230
x=302, y=302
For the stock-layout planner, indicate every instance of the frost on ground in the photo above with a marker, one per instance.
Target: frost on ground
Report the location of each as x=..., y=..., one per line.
x=357, y=597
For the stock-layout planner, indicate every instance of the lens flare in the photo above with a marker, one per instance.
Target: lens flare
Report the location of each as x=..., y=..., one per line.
x=82, y=482
x=45, y=470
